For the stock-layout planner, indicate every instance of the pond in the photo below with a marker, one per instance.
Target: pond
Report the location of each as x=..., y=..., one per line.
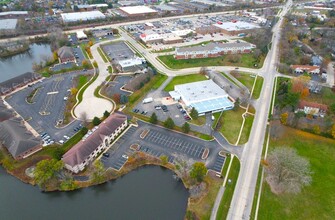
x=23, y=62
x=149, y=192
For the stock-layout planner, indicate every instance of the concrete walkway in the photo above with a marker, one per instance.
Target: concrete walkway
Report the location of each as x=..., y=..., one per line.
x=91, y=105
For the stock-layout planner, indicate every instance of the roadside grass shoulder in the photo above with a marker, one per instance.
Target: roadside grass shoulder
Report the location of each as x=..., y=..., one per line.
x=246, y=60
x=316, y=201
x=229, y=190
x=203, y=208
x=249, y=119
x=258, y=87
x=184, y=79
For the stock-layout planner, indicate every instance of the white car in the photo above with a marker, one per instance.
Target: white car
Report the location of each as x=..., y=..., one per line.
x=61, y=142
x=125, y=156
x=66, y=137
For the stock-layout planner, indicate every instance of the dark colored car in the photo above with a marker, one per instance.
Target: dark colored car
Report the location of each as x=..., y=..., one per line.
x=105, y=154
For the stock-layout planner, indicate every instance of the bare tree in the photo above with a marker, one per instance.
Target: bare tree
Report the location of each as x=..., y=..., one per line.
x=203, y=70
x=83, y=117
x=286, y=171
x=183, y=166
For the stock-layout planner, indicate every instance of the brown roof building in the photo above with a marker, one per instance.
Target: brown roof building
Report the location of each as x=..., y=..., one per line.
x=84, y=152
x=65, y=54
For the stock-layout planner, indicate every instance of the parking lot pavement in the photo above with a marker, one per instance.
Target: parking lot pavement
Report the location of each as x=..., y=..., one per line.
x=119, y=148
x=79, y=55
x=48, y=105
x=117, y=51
x=115, y=86
x=160, y=141
x=62, y=66
x=172, y=112
x=179, y=145
x=218, y=164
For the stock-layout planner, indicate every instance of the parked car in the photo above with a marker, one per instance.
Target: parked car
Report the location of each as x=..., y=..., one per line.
x=158, y=107
x=105, y=154
x=66, y=137
x=125, y=156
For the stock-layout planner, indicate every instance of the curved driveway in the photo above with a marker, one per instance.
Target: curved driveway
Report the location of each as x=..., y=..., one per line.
x=92, y=105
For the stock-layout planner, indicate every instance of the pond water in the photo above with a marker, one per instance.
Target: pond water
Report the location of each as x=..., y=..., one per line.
x=147, y=193
x=23, y=62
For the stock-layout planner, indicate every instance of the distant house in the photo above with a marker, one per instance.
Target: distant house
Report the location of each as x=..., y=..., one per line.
x=305, y=69
x=213, y=50
x=19, y=142
x=312, y=108
x=65, y=54
x=17, y=82
x=84, y=152
x=316, y=60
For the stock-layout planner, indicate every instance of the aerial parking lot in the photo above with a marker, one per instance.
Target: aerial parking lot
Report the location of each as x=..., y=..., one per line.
x=158, y=142
x=117, y=51
x=42, y=105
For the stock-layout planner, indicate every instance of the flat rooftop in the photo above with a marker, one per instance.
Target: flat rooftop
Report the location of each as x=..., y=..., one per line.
x=87, y=15
x=133, y=10
x=200, y=91
x=236, y=26
x=8, y=24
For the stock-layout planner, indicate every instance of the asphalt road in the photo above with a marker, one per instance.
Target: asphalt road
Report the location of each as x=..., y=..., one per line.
x=241, y=205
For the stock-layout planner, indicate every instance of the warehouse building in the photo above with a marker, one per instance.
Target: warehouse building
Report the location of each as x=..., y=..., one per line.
x=214, y=49
x=133, y=11
x=205, y=96
x=174, y=37
x=235, y=27
x=82, y=16
x=8, y=24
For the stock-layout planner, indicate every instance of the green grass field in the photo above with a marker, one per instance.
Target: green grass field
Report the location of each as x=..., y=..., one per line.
x=326, y=96
x=247, y=60
x=231, y=122
x=184, y=79
x=248, y=80
x=316, y=201
x=160, y=81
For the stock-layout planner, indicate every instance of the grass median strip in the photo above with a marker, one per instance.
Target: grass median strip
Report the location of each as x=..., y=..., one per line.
x=102, y=54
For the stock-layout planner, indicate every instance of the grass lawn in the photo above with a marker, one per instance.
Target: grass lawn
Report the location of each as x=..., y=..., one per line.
x=229, y=191
x=184, y=79
x=203, y=208
x=247, y=60
x=160, y=81
x=316, y=201
x=231, y=122
x=249, y=119
x=201, y=120
x=229, y=78
x=246, y=79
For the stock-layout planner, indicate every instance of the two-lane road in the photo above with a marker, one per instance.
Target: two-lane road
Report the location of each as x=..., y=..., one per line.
x=245, y=188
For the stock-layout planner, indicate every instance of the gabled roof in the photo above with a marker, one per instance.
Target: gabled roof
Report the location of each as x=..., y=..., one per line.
x=5, y=113
x=65, y=52
x=81, y=151
x=11, y=83
x=16, y=138
x=305, y=67
x=322, y=107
